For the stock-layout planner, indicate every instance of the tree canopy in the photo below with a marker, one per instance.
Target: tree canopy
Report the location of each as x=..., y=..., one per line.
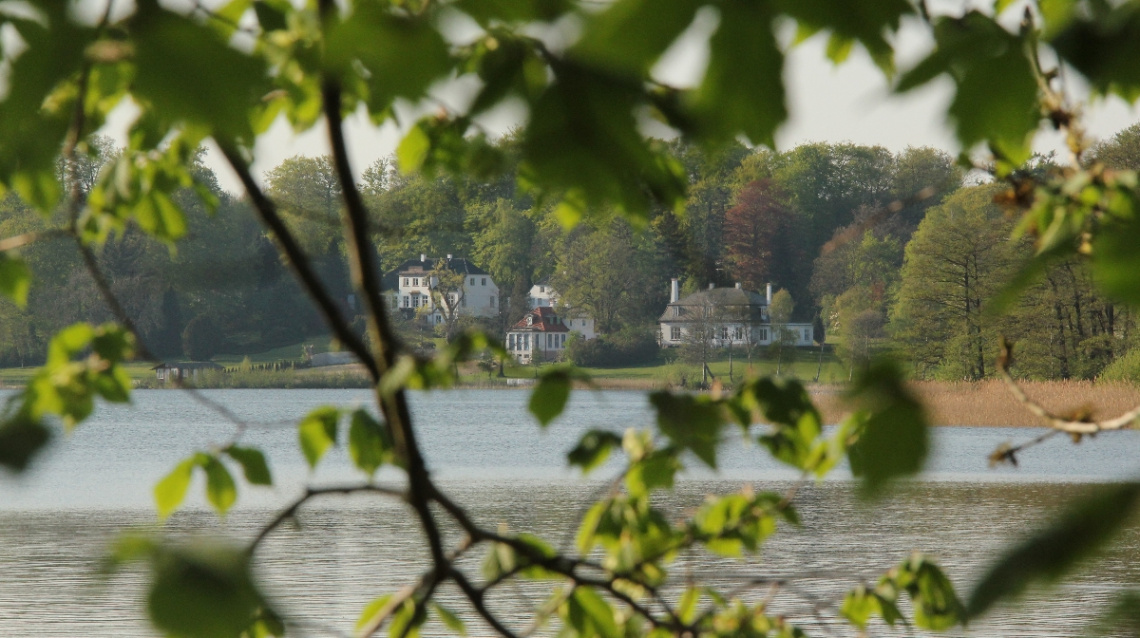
x=585, y=76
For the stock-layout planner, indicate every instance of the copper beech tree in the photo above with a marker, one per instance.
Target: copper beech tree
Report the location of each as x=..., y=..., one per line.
x=223, y=72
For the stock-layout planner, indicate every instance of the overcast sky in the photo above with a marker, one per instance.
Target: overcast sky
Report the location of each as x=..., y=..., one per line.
x=849, y=103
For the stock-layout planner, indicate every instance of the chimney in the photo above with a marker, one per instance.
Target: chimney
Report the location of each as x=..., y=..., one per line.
x=423, y=256
x=674, y=290
x=738, y=285
x=711, y=285
x=768, y=293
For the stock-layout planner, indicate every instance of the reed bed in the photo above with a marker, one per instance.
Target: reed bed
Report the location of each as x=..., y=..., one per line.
x=991, y=403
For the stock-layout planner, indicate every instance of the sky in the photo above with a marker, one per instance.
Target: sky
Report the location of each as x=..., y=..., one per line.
x=851, y=102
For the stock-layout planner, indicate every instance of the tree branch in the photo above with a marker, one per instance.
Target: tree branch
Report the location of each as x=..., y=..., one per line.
x=1060, y=423
x=311, y=493
x=299, y=262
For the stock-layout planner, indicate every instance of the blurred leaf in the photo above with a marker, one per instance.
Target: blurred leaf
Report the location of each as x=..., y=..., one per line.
x=187, y=72
x=1105, y=48
x=630, y=35
x=317, y=433
x=590, y=614
x=494, y=11
x=691, y=422
x=893, y=441
x=1051, y=552
x=369, y=443
x=370, y=617
x=269, y=17
x=221, y=491
x=996, y=98
x=20, y=439
x=1116, y=261
x=252, y=463
x=550, y=395
x=170, y=491
x=402, y=55
x=1121, y=619
x=936, y=605
x=413, y=150
x=593, y=449
x=867, y=23
x=207, y=593
x=743, y=88
x=15, y=279
x=449, y=618
x=656, y=470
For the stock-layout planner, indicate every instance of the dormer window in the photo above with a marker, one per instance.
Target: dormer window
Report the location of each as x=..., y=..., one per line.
x=530, y=320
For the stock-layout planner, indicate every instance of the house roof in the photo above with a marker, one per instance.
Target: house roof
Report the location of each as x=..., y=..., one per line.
x=420, y=267
x=187, y=365
x=738, y=299
x=542, y=319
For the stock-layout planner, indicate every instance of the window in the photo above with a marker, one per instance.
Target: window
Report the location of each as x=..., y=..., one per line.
x=738, y=333
x=492, y=302
x=463, y=302
x=415, y=301
x=807, y=334
x=484, y=281
x=526, y=342
x=724, y=332
x=405, y=281
x=416, y=281
x=563, y=340
x=675, y=333
x=472, y=281
x=405, y=301
x=511, y=341
x=542, y=288
x=763, y=334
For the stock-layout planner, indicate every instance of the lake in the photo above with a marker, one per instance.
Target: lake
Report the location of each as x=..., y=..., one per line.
x=56, y=520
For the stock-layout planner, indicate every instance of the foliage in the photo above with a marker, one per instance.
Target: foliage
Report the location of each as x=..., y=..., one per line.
x=585, y=77
x=630, y=346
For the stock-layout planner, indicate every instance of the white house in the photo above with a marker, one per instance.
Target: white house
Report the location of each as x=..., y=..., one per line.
x=542, y=295
x=731, y=316
x=408, y=288
x=541, y=335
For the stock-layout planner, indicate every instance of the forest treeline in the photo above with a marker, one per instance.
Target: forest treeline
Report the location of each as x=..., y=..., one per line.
x=881, y=250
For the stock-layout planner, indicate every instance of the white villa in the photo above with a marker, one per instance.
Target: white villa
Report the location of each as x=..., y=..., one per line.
x=733, y=316
x=541, y=295
x=541, y=335
x=409, y=288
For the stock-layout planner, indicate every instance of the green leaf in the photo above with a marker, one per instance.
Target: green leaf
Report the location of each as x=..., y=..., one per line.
x=687, y=606
x=591, y=614
x=207, y=593
x=401, y=54
x=858, y=606
x=369, y=443
x=549, y=397
x=252, y=463
x=171, y=490
x=691, y=422
x=1105, y=49
x=1051, y=552
x=630, y=35
x=20, y=439
x=936, y=605
x=15, y=279
x=657, y=470
x=996, y=98
x=743, y=88
x=1115, y=260
x=413, y=150
x=221, y=491
x=373, y=614
x=449, y=618
x=188, y=73
x=593, y=449
x=894, y=437
x=269, y=17
x=317, y=433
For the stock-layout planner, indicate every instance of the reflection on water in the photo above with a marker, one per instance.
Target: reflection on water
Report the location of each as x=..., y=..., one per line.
x=349, y=550
x=56, y=521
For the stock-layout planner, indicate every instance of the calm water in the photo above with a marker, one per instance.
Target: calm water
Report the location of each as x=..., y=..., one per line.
x=55, y=521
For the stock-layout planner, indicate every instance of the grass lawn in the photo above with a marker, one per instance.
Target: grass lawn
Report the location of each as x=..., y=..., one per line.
x=20, y=376
x=290, y=352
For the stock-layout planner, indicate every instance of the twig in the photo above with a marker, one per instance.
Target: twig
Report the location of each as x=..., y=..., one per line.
x=1062, y=424
x=19, y=241
x=315, y=492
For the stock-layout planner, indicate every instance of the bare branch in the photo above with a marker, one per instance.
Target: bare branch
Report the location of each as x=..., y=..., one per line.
x=1060, y=423
x=315, y=492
